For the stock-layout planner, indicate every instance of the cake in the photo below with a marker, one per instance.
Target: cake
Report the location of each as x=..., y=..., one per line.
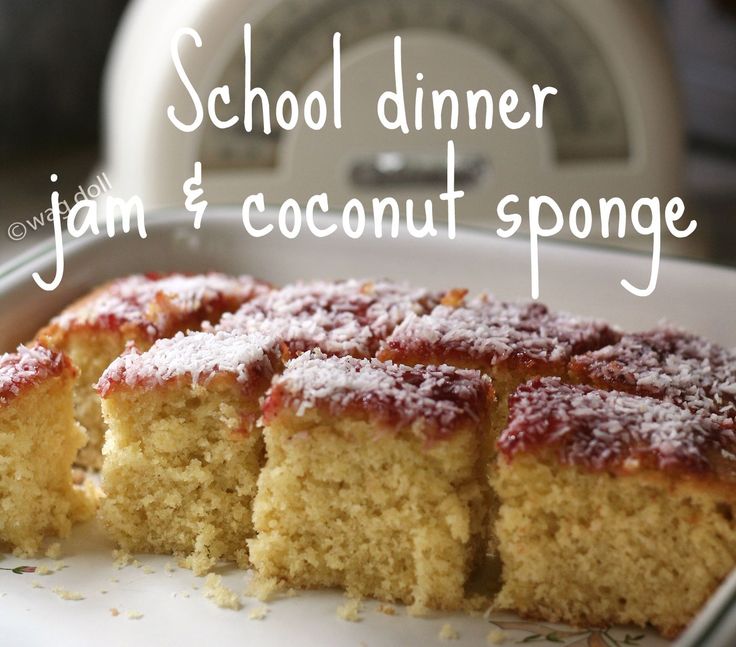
x=374, y=479
x=667, y=364
x=140, y=308
x=183, y=450
x=615, y=508
x=339, y=318
x=512, y=342
x=39, y=439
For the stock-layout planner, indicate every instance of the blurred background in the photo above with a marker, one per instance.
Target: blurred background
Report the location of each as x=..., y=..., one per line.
x=647, y=103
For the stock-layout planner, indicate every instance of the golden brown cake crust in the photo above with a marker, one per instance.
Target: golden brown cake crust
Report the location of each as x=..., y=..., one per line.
x=150, y=306
x=613, y=431
x=487, y=334
x=195, y=358
x=667, y=364
x=28, y=366
x=339, y=318
x=435, y=401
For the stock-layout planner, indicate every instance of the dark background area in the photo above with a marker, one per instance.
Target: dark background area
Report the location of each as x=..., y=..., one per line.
x=54, y=53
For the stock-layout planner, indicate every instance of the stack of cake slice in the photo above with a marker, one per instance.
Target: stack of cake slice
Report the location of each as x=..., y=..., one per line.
x=406, y=434
x=183, y=451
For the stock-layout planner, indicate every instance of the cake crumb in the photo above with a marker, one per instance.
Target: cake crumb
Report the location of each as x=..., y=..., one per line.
x=496, y=637
x=54, y=551
x=43, y=570
x=448, y=632
x=221, y=595
x=134, y=615
x=59, y=566
x=350, y=611
x=103, y=591
x=68, y=595
x=263, y=588
x=387, y=609
x=36, y=584
x=114, y=612
x=169, y=567
x=121, y=558
x=259, y=613
x=148, y=570
x=114, y=580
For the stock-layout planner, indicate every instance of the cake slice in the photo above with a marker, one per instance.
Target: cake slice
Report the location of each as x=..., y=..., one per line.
x=39, y=439
x=667, y=364
x=615, y=508
x=374, y=480
x=183, y=450
x=339, y=318
x=512, y=342
x=94, y=330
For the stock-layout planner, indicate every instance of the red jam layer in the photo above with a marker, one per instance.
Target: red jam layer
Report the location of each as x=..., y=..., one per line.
x=485, y=333
x=158, y=304
x=198, y=357
x=667, y=364
x=29, y=366
x=433, y=400
x=611, y=430
x=340, y=318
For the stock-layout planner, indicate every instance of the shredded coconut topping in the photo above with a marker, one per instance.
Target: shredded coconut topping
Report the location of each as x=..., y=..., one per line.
x=156, y=303
x=198, y=356
x=608, y=429
x=490, y=332
x=27, y=366
x=434, y=400
x=667, y=364
x=341, y=318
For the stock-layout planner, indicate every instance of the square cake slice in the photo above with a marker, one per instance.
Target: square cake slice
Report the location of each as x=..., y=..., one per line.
x=339, y=318
x=374, y=480
x=39, y=439
x=94, y=330
x=183, y=450
x=615, y=508
x=668, y=364
x=512, y=342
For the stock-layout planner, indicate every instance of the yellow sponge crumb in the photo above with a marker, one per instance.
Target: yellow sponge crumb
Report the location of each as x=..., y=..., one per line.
x=350, y=611
x=68, y=595
x=447, y=632
x=259, y=613
x=496, y=637
x=221, y=595
x=264, y=589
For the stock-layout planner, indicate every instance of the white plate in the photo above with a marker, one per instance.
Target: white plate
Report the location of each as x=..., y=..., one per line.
x=576, y=278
